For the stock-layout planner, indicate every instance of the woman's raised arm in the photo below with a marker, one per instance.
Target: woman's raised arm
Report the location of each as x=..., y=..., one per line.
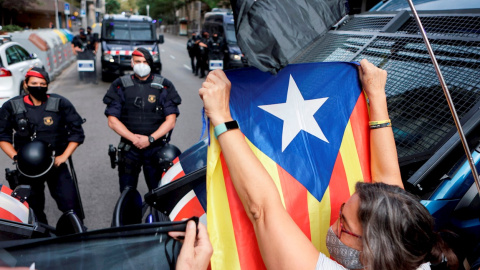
x=384, y=159
x=282, y=244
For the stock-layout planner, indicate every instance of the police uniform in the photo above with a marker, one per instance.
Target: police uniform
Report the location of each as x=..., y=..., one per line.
x=88, y=44
x=55, y=122
x=142, y=106
x=193, y=51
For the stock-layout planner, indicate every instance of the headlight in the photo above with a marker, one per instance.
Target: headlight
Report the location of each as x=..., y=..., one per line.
x=236, y=57
x=156, y=58
x=108, y=58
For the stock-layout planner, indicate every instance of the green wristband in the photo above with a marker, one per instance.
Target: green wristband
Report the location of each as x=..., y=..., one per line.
x=224, y=127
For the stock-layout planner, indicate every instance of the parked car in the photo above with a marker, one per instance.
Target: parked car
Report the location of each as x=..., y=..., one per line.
x=14, y=64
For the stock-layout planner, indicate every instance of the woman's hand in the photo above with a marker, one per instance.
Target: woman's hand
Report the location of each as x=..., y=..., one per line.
x=196, y=250
x=373, y=79
x=215, y=93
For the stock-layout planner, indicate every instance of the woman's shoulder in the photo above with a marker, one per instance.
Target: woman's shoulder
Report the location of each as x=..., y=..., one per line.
x=326, y=263
x=424, y=266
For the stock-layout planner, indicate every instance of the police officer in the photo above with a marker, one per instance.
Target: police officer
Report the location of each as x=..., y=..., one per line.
x=203, y=47
x=142, y=109
x=85, y=46
x=216, y=47
x=49, y=118
x=192, y=48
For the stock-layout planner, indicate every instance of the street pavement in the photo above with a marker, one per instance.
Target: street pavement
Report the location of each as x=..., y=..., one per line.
x=98, y=183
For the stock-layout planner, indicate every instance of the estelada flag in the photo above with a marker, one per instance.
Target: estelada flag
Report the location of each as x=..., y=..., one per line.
x=308, y=125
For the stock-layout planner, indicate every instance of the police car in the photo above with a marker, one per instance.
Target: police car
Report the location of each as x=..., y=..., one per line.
x=14, y=64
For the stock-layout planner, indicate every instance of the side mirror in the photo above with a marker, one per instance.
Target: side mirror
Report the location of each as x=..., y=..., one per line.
x=34, y=56
x=160, y=39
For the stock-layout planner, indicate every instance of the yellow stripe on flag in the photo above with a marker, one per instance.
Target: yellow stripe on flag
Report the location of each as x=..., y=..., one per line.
x=220, y=229
x=269, y=165
x=319, y=213
x=348, y=151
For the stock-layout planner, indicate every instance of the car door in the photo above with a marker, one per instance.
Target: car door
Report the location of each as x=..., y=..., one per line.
x=28, y=58
x=18, y=66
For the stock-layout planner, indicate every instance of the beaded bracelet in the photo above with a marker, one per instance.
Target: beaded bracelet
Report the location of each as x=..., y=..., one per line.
x=380, y=124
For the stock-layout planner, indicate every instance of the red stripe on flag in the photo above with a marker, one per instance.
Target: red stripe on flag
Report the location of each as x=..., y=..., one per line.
x=361, y=135
x=180, y=174
x=117, y=52
x=4, y=214
x=247, y=246
x=9, y=191
x=295, y=197
x=192, y=208
x=176, y=160
x=339, y=192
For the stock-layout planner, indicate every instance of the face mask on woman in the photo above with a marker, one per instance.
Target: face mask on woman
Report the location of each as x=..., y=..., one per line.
x=141, y=70
x=38, y=92
x=343, y=254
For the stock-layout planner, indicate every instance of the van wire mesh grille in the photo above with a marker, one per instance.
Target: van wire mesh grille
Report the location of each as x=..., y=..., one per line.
x=417, y=106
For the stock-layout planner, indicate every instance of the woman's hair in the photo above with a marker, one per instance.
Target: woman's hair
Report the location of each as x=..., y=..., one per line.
x=398, y=230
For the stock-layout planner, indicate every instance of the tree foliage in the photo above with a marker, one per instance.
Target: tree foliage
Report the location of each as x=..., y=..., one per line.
x=112, y=7
x=128, y=5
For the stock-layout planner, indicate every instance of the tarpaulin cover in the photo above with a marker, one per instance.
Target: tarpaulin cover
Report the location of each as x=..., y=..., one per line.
x=272, y=32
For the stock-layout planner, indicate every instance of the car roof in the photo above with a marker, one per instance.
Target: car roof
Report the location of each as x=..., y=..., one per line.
x=423, y=5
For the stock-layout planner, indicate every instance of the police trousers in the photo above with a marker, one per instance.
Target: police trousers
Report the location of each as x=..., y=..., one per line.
x=131, y=163
x=62, y=189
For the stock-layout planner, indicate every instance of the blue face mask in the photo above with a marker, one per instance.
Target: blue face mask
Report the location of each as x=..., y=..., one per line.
x=343, y=254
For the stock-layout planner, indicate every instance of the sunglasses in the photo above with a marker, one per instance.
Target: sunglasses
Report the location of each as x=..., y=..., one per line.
x=342, y=228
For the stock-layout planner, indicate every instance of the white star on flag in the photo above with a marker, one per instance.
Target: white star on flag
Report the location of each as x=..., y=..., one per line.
x=297, y=114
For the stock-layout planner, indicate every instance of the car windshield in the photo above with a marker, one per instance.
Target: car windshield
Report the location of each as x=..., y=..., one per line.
x=230, y=34
x=124, y=30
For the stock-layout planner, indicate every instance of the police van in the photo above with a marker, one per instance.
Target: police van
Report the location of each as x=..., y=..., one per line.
x=221, y=22
x=120, y=36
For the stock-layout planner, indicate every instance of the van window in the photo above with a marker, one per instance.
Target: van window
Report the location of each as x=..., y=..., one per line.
x=118, y=30
x=12, y=56
x=230, y=34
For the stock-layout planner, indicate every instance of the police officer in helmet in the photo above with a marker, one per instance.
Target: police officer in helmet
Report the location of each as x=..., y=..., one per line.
x=142, y=109
x=51, y=119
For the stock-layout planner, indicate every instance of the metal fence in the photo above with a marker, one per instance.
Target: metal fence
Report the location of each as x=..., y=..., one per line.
x=418, y=110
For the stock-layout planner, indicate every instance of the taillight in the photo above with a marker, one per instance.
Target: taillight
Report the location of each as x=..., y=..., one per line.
x=5, y=72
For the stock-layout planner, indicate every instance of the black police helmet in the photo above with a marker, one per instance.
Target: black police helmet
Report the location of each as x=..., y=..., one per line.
x=35, y=159
x=166, y=155
x=144, y=53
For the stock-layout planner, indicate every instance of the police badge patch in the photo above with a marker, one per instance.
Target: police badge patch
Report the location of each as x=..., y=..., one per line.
x=152, y=98
x=48, y=121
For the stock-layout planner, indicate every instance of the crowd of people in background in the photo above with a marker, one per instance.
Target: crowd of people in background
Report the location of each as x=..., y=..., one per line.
x=202, y=49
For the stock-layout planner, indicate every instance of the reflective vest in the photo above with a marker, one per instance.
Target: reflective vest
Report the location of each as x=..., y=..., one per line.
x=142, y=112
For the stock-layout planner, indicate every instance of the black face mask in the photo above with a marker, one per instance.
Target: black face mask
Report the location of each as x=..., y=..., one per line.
x=38, y=92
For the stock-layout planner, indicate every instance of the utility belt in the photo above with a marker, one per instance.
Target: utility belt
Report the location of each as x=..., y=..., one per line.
x=117, y=154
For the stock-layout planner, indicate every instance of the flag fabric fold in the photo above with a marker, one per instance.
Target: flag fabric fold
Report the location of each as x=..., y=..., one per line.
x=308, y=125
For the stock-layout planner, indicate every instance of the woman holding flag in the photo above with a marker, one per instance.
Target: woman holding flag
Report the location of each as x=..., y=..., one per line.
x=380, y=227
